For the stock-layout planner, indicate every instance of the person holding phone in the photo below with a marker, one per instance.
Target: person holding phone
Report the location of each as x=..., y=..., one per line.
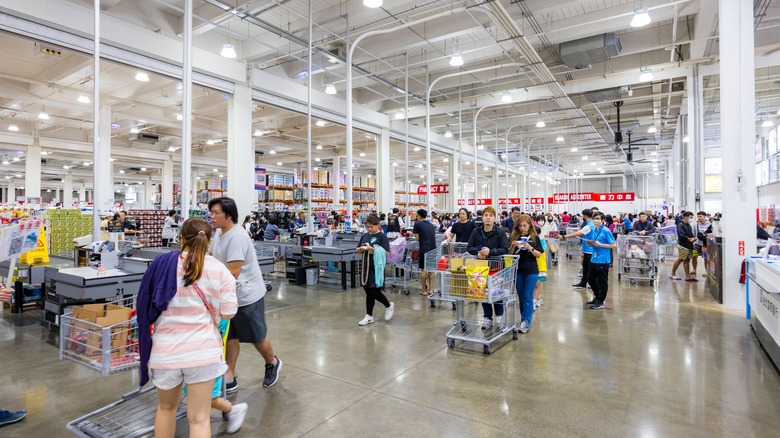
x=602, y=242
x=373, y=238
x=526, y=244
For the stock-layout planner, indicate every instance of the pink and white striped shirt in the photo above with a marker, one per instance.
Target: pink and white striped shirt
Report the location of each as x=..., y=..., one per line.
x=184, y=334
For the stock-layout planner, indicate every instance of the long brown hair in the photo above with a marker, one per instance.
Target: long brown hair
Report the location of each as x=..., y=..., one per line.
x=195, y=238
x=516, y=229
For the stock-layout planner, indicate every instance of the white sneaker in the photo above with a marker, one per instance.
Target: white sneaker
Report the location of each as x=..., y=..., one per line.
x=368, y=319
x=538, y=303
x=487, y=323
x=499, y=320
x=524, y=327
x=236, y=417
x=389, y=312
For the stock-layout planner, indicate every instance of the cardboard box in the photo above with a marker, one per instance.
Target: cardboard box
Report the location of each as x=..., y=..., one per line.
x=92, y=318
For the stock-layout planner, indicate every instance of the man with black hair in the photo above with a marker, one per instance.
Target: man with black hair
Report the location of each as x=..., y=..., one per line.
x=393, y=224
x=587, y=250
x=232, y=246
x=642, y=226
x=478, y=220
x=425, y=233
x=701, y=229
x=685, y=240
x=509, y=223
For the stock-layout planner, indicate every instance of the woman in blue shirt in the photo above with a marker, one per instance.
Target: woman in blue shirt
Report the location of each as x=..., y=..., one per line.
x=598, y=272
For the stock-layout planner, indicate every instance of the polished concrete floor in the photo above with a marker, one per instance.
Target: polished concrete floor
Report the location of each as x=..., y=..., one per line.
x=658, y=362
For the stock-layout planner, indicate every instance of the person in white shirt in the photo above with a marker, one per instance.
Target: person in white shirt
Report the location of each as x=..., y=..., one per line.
x=170, y=228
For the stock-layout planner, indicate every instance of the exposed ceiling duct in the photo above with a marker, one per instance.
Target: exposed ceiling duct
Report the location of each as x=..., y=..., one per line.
x=585, y=52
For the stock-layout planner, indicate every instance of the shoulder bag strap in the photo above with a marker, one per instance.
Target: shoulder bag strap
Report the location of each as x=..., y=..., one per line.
x=209, y=308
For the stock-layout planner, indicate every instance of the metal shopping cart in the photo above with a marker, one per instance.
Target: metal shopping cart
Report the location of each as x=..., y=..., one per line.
x=553, y=242
x=573, y=244
x=667, y=238
x=396, y=262
x=436, y=261
x=637, y=257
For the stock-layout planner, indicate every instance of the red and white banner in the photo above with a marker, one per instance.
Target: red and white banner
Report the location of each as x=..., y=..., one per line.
x=435, y=189
x=591, y=196
x=539, y=201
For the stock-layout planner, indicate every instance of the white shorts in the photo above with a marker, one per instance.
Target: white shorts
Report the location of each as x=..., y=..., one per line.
x=169, y=378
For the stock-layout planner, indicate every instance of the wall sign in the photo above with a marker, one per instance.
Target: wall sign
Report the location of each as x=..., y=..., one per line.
x=435, y=189
x=591, y=196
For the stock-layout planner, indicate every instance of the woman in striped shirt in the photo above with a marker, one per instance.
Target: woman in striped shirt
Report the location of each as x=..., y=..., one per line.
x=186, y=345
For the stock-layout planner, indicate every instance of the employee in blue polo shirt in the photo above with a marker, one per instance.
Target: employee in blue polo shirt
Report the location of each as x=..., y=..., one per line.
x=587, y=250
x=602, y=242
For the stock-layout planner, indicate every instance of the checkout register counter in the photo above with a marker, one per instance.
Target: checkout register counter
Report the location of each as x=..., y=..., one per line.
x=763, y=275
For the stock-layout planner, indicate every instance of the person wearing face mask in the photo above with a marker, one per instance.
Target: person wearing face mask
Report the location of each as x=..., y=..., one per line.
x=603, y=243
x=685, y=240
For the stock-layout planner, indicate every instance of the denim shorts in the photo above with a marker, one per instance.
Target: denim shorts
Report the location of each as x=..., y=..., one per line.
x=169, y=378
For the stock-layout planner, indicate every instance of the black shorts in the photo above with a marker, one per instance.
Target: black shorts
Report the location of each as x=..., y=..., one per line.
x=422, y=256
x=248, y=325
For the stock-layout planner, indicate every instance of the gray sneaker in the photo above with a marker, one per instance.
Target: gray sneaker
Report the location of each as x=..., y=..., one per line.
x=272, y=373
x=524, y=327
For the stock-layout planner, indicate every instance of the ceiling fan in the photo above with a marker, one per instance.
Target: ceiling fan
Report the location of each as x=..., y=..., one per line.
x=619, y=139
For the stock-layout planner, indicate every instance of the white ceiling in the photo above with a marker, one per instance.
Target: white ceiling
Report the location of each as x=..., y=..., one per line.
x=270, y=35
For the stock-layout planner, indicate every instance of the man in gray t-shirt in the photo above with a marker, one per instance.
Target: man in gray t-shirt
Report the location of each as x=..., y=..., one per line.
x=232, y=246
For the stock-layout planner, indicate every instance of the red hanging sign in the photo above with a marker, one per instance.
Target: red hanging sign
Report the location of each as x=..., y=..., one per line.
x=591, y=196
x=435, y=189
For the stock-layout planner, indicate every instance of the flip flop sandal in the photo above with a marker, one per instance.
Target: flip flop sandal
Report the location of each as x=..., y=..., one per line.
x=674, y=277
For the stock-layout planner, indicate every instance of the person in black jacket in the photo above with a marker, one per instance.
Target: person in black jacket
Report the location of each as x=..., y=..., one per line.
x=463, y=228
x=425, y=233
x=488, y=241
x=685, y=240
x=642, y=226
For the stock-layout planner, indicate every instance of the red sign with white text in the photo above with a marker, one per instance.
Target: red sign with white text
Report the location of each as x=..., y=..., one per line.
x=590, y=196
x=741, y=247
x=435, y=189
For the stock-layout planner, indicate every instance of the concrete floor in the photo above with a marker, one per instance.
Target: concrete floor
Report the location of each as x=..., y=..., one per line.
x=656, y=363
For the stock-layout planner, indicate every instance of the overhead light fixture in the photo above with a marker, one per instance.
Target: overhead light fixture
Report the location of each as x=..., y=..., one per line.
x=767, y=124
x=448, y=134
x=317, y=159
x=66, y=167
x=641, y=18
x=215, y=170
x=278, y=163
x=221, y=176
x=362, y=154
x=320, y=123
x=540, y=124
x=467, y=163
x=602, y=171
x=319, y=147
x=456, y=60
x=86, y=163
x=134, y=130
x=315, y=168
x=141, y=76
x=506, y=97
x=112, y=159
x=170, y=149
x=13, y=128
x=330, y=89
x=446, y=159
x=5, y=162
x=574, y=149
x=653, y=153
x=121, y=170
x=417, y=149
x=83, y=98
x=419, y=166
x=480, y=146
x=584, y=158
x=485, y=168
x=43, y=115
x=395, y=164
x=228, y=51
x=559, y=139
x=400, y=114
x=652, y=129
x=646, y=75
x=179, y=117
x=143, y=169
x=592, y=163
x=685, y=139
x=272, y=152
x=210, y=142
x=372, y=3
x=258, y=133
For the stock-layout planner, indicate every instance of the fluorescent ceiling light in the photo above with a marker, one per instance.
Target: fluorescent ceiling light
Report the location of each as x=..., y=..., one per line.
x=767, y=124
x=592, y=163
x=143, y=169
x=653, y=153
x=121, y=170
x=485, y=168
x=279, y=163
x=574, y=149
x=209, y=142
x=362, y=154
x=584, y=158
x=456, y=60
x=317, y=159
x=417, y=149
x=602, y=171
x=395, y=164
x=646, y=75
x=446, y=159
x=170, y=149
x=86, y=163
x=272, y=152
x=83, y=98
x=372, y=3
x=134, y=130
x=320, y=123
x=141, y=76
x=400, y=115
x=319, y=147
x=13, y=128
x=316, y=168
x=656, y=174
x=467, y=162
x=215, y=170
x=179, y=117
x=641, y=18
x=559, y=139
x=540, y=124
x=652, y=129
x=330, y=89
x=448, y=134
x=43, y=115
x=258, y=133
x=506, y=97
x=685, y=139
x=419, y=166
x=5, y=162
x=228, y=51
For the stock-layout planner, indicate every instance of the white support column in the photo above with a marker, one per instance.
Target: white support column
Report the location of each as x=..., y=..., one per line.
x=82, y=193
x=32, y=169
x=384, y=176
x=336, y=176
x=454, y=183
x=103, y=184
x=737, y=109
x=67, y=191
x=241, y=150
x=167, y=185
x=695, y=145
x=494, y=193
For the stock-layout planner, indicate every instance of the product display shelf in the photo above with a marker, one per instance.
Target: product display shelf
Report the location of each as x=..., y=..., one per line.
x=150, y=223
x=63, y=225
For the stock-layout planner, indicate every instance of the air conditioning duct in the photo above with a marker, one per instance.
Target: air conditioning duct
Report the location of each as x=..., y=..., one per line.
x=606, y=95
x=584, y=52
x=144, y=137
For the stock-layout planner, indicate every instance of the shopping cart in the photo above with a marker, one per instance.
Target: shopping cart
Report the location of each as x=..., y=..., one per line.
x=396, y=262
x=437, y=261
x=573, y=244
x=554, y=241
x=466, y=278
x=637, y=257
x=667, y=238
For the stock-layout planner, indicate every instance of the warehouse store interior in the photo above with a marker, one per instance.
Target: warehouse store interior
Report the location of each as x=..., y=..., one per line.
x=347, y=108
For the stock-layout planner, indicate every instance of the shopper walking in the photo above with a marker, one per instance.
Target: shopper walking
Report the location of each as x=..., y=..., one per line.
x=233, y=247
x=184, y=295
x=602, y=242
x=462, y=229
x=701, y=229
x=587, y=250
x=425, y=233
x=685, y=240
x=170, y=227
x=9, y=417
x=486, y=241
x=373, y=247
x=526, y=244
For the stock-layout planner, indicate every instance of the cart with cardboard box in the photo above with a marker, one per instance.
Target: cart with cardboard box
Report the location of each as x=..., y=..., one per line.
x=433, y=264
x=637, y=257
x=463, y=278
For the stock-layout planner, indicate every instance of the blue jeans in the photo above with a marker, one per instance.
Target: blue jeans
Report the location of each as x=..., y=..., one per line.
x=487, y=309
x=525, y=284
